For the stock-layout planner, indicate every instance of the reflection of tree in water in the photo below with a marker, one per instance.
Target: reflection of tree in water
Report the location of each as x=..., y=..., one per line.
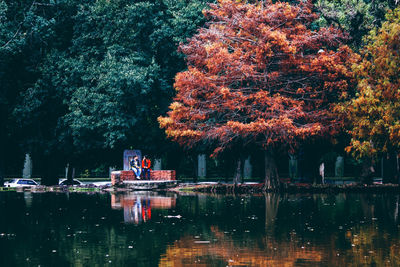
x=384, y=206
x=226, y=252
x=275, y=230
x=222, y=248
x=310, y=230
x=366, y=247
x=396, y=209
x=271, y=210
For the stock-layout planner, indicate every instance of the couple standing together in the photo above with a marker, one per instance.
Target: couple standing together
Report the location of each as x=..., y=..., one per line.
x=138, y=168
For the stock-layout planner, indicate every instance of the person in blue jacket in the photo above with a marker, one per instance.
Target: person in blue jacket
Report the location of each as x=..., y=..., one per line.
x=135, y=166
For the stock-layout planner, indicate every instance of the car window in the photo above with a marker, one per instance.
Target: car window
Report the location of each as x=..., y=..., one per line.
x=30, y=182
x=21, y=182
x=74, y=182
x=12, y=181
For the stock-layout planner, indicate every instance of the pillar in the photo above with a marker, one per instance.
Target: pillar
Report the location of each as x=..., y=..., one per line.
x=339, y=167
x=27, y=171
x=157, y=165
x=247, y=168
x=201, y=166
x=292, y=166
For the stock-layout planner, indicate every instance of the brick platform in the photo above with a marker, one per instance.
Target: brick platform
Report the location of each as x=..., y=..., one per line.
x=161, y=175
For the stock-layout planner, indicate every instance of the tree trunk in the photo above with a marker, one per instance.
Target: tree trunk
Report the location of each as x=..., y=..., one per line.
x=389, y=168
x=367, y=171
x=271, y=181
x=242, y=164
x=238, y=173
x=70, y=174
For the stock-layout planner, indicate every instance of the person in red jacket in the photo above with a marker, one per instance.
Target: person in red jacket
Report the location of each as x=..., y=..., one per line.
x=146, y=164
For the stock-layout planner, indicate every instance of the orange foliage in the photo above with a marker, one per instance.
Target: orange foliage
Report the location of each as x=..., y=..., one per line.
x=260, y=74
x=375, y=112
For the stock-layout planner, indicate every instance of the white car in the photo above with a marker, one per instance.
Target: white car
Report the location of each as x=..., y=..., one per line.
x=102, y=184
x=74, y=182
x=21, y=183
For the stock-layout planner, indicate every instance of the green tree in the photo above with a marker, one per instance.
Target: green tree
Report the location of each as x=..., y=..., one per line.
x=357, y=17
x=106, y=78
x=25, y=33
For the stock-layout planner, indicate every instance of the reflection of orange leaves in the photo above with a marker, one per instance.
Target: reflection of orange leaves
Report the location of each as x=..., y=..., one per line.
x=186, y=251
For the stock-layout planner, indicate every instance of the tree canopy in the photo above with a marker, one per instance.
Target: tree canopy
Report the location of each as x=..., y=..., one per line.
x=375, y=111
x=93, y=76
x=259, y=73
x=82, y=80
x=357, y=17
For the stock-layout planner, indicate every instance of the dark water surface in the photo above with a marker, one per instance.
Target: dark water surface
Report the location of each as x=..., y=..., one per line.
x=148, y=229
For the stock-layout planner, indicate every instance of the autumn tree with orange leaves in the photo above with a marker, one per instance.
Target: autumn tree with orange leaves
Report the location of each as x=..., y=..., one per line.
x=258, y=74
x=375, y=111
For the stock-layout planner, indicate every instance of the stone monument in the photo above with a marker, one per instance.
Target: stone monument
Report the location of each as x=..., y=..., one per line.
x=247, y=168
x=339, y=167
x=201, y=167
x=129, y=155
x=292, y=166
x=27, y=171
x=157, y=165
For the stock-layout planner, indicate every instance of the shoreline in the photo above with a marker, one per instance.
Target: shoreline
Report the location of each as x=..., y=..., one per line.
x=287, y=188
x=221, y=189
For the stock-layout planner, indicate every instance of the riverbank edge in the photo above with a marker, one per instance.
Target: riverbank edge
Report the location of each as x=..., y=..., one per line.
x=287, y=188
x=248, y=189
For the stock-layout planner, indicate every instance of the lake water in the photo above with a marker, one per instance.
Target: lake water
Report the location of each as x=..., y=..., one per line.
x=148, y=229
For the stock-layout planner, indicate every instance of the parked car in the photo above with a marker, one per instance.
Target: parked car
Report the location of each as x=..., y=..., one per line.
x=21, y=183
x=74, y=182
x=102, y=184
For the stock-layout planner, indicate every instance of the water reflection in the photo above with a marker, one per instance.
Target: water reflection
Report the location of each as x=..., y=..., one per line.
x=137, y=206
x=225, y=251
x=28, y=199
x=271, y=210
x=299, y=230
x=198, y=230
